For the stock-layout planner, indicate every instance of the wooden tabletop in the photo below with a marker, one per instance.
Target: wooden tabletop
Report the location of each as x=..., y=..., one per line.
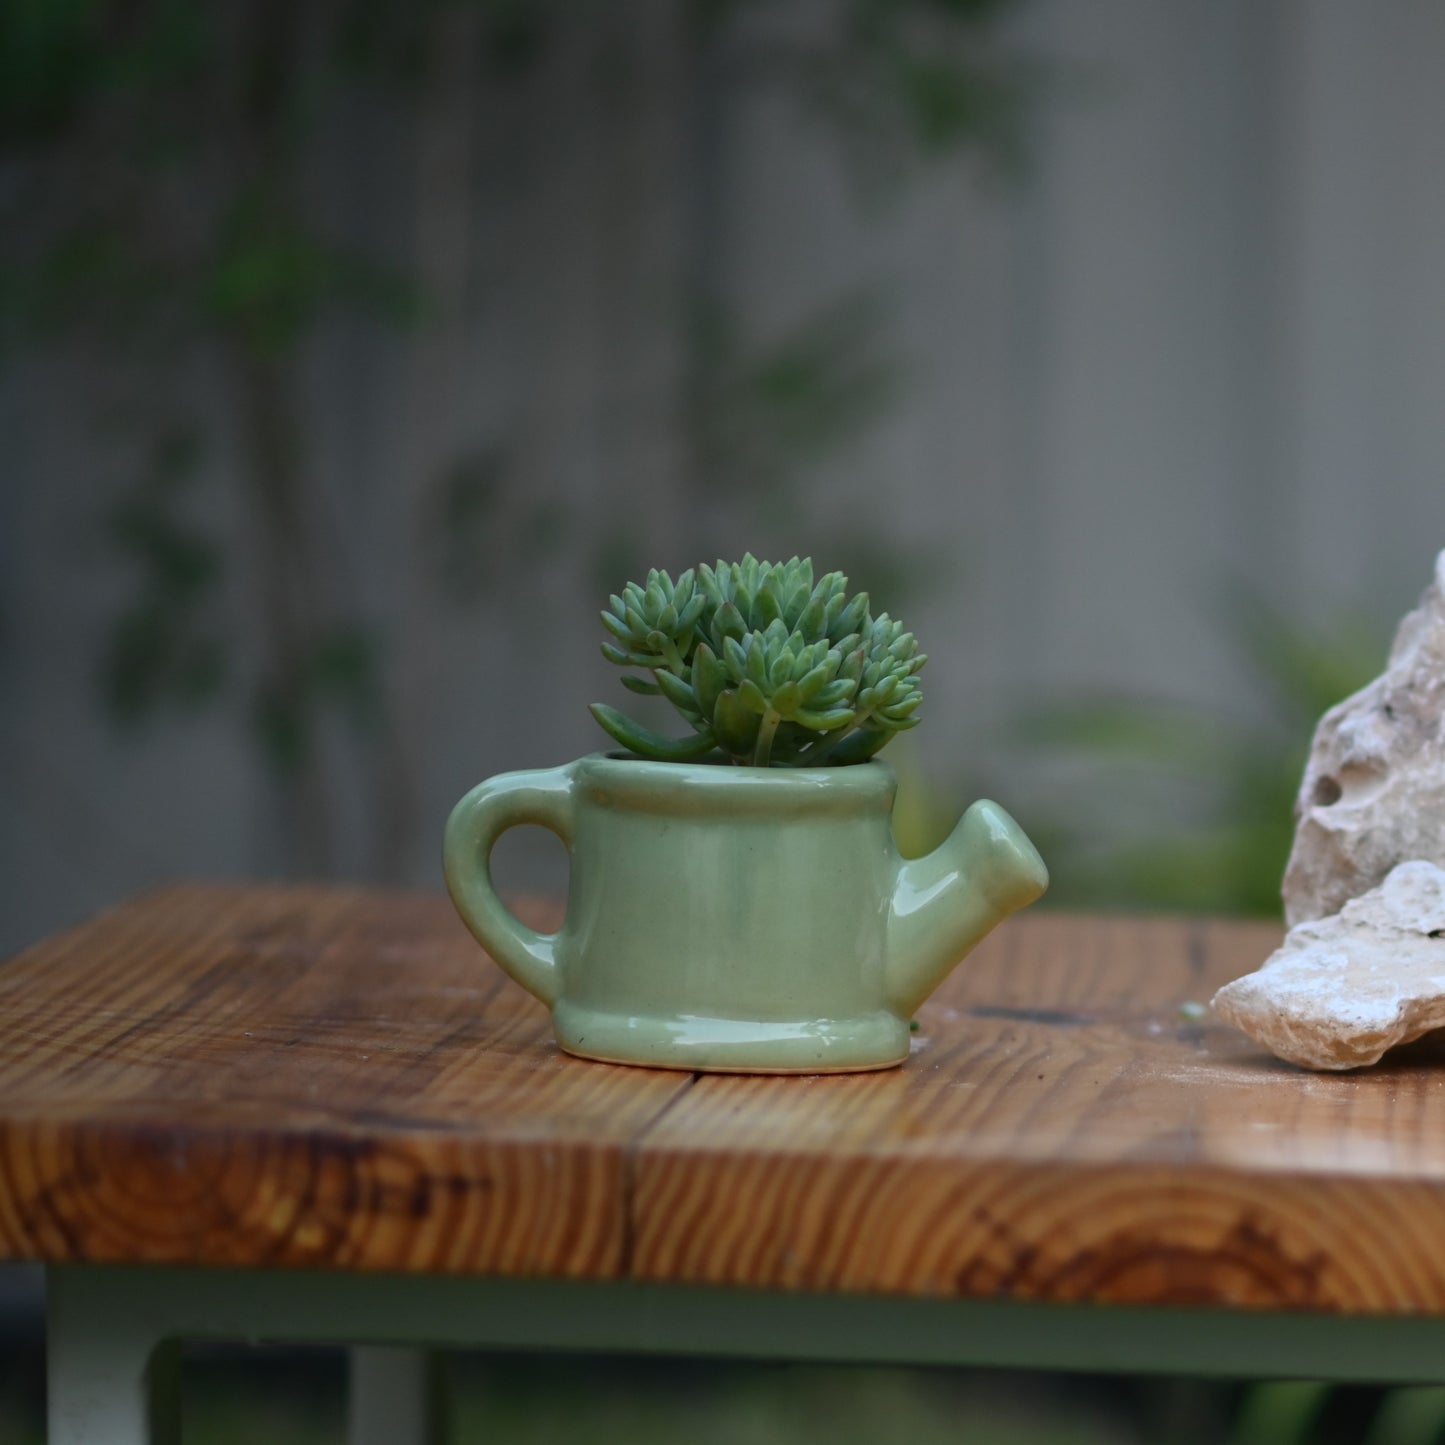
x=342, y=1079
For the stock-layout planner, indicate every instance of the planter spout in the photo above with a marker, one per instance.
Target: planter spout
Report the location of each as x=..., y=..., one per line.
x=949, y=901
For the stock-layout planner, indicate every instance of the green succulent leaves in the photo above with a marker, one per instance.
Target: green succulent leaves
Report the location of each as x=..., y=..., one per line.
x=764, y=664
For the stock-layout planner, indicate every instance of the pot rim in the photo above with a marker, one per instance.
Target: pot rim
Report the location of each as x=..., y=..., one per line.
x=646, y=785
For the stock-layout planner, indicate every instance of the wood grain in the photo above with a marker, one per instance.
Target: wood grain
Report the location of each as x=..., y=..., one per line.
x=342, y=1079
x=302, y=1078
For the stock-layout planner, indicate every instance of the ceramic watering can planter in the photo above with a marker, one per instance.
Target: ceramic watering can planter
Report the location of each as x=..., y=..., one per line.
x=756, y=920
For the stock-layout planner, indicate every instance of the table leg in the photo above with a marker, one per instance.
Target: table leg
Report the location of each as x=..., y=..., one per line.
x=106, y=1319
x=392, y=1397
x=108, y=1384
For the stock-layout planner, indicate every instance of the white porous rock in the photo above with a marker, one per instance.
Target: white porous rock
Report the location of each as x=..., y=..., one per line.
x=1342, y=990
x=1373, y=793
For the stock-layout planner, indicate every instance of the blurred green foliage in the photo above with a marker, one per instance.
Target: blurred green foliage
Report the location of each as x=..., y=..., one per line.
x=234, y=1396
x=155, y=220
x=899, y=81
x=167, y=644
x=1158, y=806
x=1141, y=804
x=156, y=212
x=766, y=414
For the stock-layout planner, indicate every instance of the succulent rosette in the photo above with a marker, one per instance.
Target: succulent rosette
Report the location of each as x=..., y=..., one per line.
x=766, y=666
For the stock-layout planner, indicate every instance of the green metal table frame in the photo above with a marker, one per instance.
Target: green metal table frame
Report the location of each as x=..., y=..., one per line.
x=113, y=1331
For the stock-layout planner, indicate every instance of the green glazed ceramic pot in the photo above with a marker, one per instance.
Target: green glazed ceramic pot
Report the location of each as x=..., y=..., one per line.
x=732, y=918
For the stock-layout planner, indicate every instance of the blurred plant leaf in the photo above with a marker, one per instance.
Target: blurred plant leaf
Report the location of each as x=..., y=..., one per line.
x=895, y=80
x=1144, y=733
x=1170, y=807
x=345, y=669
x=474, y=522
x=152, y=659
x=58, y=56
x=1306, y=671
x=90, y=276
x=282, y=726
x=898, y=573
x=166, y=645
x=341, y=669
x=516, y=32
x=393, y=42
x=459, y=522
x=1280, y=1413
x=272, y=281
x=759, y=417
x=50, y=60
x=1409, y=1416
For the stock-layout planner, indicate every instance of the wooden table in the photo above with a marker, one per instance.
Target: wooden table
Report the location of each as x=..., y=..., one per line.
x=300, y=1114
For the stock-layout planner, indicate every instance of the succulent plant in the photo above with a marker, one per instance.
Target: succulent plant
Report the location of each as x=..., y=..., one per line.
x=766, y=665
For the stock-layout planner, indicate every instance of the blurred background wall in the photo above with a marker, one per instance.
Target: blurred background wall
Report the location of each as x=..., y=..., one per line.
x=351, y=353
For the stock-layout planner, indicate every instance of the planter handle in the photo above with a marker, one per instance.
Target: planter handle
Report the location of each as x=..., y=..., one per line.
x=543, y=796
